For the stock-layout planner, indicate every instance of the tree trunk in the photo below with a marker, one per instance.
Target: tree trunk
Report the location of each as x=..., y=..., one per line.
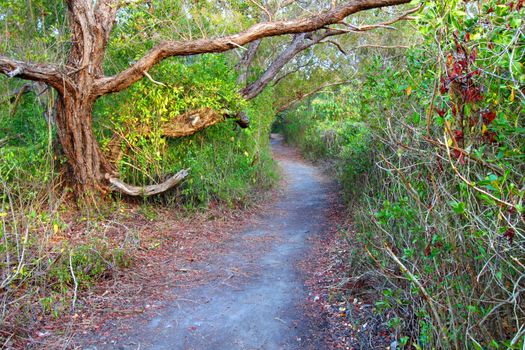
x=85, y=158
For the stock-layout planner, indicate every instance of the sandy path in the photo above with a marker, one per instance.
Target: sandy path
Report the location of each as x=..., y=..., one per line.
x=255, y=299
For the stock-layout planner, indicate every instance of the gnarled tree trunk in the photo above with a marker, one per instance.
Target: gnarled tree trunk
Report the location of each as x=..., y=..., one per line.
x=83, y=153
x=90, y=24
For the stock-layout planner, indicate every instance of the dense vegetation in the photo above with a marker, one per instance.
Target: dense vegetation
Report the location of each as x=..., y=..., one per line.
x=430, y=147
x=427, y=142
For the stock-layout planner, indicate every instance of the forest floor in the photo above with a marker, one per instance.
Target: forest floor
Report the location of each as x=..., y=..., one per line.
x=260, y=278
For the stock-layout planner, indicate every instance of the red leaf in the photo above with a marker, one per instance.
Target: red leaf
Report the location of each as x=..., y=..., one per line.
x=427, y=250
x=444, y=86
x=509, y=234
x=488, y=117
x=458, y=135
x=490, y=137
x=473, y=55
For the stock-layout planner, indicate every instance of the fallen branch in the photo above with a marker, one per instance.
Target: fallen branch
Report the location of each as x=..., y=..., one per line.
x=185, y=124
x=189, y=123
x=130, y=190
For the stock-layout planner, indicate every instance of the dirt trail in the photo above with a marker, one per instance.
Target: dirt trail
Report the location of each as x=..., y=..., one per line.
x=256, y=296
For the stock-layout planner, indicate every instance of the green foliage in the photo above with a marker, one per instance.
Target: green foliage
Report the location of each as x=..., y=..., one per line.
x=226, y=162
x=327, y=130
x=447, y=193
x=85, y=264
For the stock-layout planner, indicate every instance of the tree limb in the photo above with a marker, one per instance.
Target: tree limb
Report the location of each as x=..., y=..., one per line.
x=337, y=45
x=302, y=42
x=313, y=92
x=296, y=69
x=244, y=64
x=167, y=49
x=47, y=73
x=130, y=190
x=403, y=17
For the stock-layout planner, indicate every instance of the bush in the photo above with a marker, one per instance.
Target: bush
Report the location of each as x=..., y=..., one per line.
x=345, y=144
x=439, y=225
x=226, y=162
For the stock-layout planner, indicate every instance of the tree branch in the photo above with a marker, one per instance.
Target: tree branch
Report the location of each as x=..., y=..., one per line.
x=337, y=45
x=244, y=64
x=130, y=190
x=298, y=44
x=313, y=92
x=296, y=69
x=403, y=17
x=46, y=73
x=302, y=42
x=167, y=49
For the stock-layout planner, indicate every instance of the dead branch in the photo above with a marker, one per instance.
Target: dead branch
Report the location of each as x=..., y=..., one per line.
x=193, y=121
x=130, y=190
x=185, y=124
x=421, y=288
x=471, y=183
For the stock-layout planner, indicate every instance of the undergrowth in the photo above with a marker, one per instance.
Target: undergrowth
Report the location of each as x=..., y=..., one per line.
x=50, y=255
x=439, y=217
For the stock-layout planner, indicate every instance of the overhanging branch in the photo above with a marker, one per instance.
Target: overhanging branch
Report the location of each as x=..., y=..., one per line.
x=308, y=94
x=302, y=42
x=167, y=49
x=387, y=24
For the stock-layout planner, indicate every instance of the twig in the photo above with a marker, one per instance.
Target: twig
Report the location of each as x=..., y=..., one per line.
x=414, y=279
x=153, y=80
x=74, y=281
x=473, y=184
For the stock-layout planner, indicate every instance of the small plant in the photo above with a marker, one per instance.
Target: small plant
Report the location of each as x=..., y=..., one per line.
x=83, y=265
